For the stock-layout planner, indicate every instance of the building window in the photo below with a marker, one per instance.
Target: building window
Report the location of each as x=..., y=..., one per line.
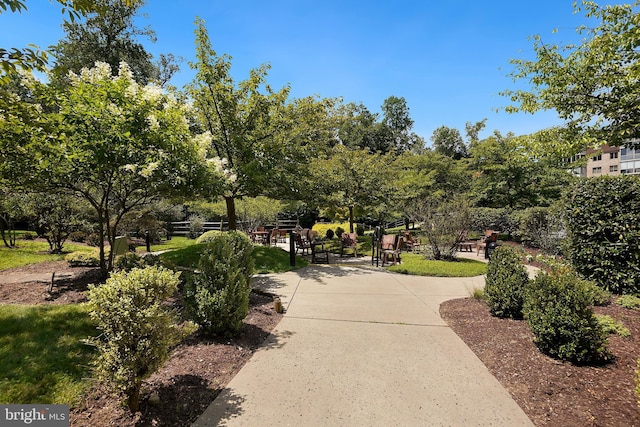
x=613, y=155
x=613, y=168
x=597, y=170
x=598, y=157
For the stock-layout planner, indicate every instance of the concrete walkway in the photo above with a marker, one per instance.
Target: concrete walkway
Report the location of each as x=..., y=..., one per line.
x=363, y=347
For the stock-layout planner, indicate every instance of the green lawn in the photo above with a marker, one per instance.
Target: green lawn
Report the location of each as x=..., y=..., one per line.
x=32, y=252
x=267, y=259
x=176, y=242
x=43, y=358
x=415, y=264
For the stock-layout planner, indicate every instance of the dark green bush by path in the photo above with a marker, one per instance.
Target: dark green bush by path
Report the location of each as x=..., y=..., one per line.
x=603, y=225
x=506, y=281
x=217, y=297
x=557, y=308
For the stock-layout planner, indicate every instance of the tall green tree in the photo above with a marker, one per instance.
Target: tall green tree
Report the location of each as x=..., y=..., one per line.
x=448, y=142
x=110, y=35
x=243, y=121
x=359, y=128
x=32, y=57
x=396, y=117
x=506, y=173
x=352, y=179
x=115, y=143
x=594, y=85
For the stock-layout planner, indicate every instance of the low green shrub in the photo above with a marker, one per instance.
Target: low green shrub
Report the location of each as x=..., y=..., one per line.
x=612, y=326
x=339, y=231
x=208, y=236
x=131, y=260
x=138, y=328
x=93, y=239
x=360, y=229
x=595, y=294
x=631, y=302
x=82, y=259
x=330, y=234
x=28, y=236
x=217, y=297
x=78, y=236
x=505, y=283
x=479, y=294
x=558, y=311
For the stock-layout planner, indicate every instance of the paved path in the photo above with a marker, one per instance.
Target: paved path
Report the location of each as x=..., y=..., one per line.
x=363, y=347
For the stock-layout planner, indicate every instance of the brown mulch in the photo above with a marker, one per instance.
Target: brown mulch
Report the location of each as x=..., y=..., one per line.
x=552, y=392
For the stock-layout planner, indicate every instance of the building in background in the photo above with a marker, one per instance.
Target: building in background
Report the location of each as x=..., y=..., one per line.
x=608, y=161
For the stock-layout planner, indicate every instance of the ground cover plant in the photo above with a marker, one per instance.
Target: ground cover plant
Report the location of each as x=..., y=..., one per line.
x=417, y=265
x=35, y=251
x=43, y=357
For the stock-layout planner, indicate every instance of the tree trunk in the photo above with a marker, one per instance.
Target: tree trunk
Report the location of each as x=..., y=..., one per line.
x=350, y=219
x=133, y=397
x=231, y=212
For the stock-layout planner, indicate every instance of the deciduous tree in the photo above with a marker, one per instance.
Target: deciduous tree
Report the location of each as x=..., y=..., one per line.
x=592, y=85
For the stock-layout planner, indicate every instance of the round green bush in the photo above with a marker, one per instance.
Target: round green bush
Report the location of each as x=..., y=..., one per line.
x=339, y=231
x=557, y=308
x=330, y=234
x=208, y=236
x=505, y=283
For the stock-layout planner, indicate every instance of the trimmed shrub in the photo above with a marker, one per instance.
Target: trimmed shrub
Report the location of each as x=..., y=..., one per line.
x=131, y=260
x=208, y=236
x=330, y=234
x=505, y=283
x=603, y=227
x=78, y=236
x=339, y=231
x=217, y=297
x=558, y=311
x=138, y=328
x=82, y=259
x=360, y=229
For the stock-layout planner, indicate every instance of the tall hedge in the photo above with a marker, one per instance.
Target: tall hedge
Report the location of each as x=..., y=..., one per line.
x=603, y=225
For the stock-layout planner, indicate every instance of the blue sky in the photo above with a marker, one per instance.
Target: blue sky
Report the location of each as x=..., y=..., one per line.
x=449, y=60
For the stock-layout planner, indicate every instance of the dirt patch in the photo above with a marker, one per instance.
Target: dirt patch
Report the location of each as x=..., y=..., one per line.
x=552, y=392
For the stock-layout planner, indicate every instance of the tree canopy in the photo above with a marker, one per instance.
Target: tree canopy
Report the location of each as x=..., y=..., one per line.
x=32, y=57
x=595, y=85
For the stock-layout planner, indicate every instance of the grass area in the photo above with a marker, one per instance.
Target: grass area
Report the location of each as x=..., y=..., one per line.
x=267, y=259
x=176, y=242
x=415, y=264
x=43, y=358
x=34, y=251
x=274, y=260
x=364, y=246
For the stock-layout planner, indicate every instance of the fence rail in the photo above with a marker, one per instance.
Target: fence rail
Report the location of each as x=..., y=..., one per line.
x=183, y=228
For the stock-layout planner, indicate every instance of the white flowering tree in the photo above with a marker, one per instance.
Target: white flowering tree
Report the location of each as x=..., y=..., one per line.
x=117, y=144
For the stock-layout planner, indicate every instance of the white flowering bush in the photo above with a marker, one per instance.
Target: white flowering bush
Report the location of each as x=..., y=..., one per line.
x=137, y=327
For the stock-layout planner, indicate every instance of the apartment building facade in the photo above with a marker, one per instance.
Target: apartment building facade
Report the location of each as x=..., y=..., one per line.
x=609, y=161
